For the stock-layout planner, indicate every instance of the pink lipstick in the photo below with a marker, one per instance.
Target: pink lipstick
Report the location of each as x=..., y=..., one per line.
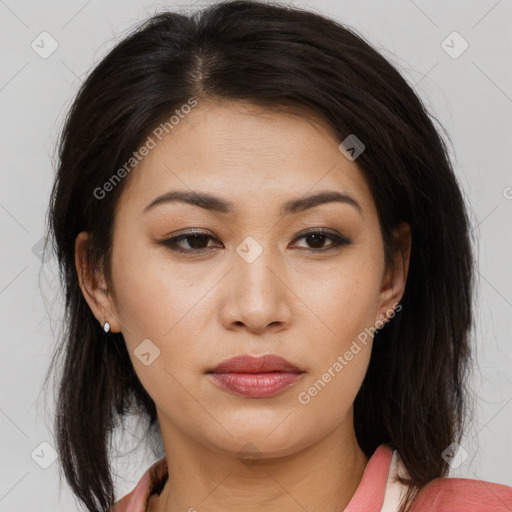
x=255, y=377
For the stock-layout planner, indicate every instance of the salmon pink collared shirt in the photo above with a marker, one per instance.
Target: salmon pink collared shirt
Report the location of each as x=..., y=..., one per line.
x=378, y=491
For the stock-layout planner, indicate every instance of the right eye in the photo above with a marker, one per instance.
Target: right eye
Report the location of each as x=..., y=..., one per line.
x=196, y=240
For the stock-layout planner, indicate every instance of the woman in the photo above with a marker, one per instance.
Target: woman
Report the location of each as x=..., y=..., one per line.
x=265, y=253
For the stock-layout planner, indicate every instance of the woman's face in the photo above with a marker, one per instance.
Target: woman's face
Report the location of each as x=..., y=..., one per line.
x=254, y=283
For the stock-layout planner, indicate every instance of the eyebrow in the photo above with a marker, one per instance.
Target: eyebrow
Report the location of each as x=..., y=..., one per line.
x=217, y=204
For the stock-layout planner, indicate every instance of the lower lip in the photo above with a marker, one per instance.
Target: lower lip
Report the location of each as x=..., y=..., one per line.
x=255, y=385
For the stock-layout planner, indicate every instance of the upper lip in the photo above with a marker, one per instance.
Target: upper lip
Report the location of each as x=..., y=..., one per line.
x=255, y=364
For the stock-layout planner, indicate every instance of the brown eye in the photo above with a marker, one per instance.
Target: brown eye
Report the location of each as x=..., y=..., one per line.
x=197, y=242
x=316, y=240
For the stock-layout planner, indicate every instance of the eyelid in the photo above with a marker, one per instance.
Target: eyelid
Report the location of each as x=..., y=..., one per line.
x=337, y=240
x=323, y=231
x=171, y=242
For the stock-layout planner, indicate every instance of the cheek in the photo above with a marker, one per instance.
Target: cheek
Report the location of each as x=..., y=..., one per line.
x=346, y=306
x=151, y=298
x=154, y=307
x=343, y=298
x=162, y=304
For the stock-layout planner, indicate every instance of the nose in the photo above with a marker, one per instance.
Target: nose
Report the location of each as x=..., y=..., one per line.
x=258, y=296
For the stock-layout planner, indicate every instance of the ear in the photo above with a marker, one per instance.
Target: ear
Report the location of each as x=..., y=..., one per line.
x=395, y=276
x=93, y=285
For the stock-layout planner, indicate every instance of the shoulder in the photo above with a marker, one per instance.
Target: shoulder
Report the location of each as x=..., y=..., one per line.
x=150, y=482
x=464, y=495
x=446, y=494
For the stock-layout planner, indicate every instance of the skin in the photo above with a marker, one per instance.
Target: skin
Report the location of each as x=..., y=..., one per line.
x=199, y=310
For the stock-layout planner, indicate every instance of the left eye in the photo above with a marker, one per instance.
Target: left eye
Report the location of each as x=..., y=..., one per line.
x=318, y=237
x=198, y=242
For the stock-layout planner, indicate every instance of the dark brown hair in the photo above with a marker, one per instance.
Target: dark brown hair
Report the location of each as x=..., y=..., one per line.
x=414, y=394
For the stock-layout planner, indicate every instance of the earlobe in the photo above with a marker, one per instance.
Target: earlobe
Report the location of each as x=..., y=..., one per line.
x=93, y=286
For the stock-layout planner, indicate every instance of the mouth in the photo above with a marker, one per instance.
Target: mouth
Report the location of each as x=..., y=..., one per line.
x=255, y=377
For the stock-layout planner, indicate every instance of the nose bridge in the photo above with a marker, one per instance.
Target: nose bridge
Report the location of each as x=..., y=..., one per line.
x=253, y=265
x=259, y=293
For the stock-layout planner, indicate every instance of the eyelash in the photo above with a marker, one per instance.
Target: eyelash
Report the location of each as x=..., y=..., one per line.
x=338, y=240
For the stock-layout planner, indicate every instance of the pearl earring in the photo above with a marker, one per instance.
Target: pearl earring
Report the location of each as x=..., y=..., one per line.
x=106, y=327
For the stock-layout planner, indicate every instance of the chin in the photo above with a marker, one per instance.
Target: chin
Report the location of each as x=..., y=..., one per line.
x=257, y=441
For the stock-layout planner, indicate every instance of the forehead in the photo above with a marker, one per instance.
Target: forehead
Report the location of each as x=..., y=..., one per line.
x=242, y=151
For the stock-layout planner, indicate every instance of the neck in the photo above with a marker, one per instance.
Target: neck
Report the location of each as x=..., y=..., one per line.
x=323, y=476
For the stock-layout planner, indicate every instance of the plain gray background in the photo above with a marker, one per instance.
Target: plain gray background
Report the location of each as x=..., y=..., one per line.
x=469, y=92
